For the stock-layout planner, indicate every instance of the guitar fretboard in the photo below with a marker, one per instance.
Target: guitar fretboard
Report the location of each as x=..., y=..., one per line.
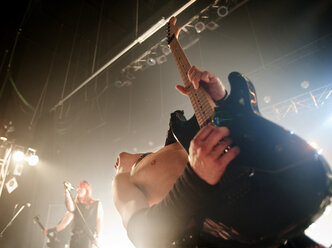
x=202, y=103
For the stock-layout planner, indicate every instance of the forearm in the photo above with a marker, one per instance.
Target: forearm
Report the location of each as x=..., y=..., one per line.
x=69, y=202
x=99, y=228
x=162, y=223
x=65, y=221
x=100, y=217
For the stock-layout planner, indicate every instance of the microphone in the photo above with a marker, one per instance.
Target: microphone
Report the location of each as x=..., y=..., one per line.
x=68, y=186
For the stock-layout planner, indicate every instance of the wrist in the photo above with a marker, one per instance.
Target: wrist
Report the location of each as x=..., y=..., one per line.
x=50, y=230
x=222, y=98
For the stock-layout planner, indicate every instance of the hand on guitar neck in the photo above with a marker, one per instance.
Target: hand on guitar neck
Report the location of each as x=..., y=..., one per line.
x=211, y=84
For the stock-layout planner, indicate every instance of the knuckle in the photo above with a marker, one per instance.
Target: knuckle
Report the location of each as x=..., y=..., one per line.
x=193, y=142
x=225, y=131
x=205, y=73
x=202, y=151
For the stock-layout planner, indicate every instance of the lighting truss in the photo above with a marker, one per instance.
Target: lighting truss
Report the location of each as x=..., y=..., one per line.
x=206, y=19
x=311, y=100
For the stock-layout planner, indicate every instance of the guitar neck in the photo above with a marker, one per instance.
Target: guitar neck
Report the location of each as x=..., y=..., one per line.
x=202, y=103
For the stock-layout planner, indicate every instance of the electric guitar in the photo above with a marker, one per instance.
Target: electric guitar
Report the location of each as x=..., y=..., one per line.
x=275, y=188
x=53, y=240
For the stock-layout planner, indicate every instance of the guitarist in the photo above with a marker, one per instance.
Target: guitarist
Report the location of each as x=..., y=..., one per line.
x=85, y=214
x=160, y=195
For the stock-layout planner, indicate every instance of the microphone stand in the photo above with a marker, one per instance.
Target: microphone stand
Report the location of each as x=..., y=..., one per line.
x=90, y=234
x=11, y=221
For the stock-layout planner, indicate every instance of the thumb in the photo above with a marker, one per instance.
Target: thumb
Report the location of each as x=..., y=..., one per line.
x=182, y=90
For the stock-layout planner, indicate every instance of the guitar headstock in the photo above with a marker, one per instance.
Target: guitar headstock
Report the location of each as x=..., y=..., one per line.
x=172, y=30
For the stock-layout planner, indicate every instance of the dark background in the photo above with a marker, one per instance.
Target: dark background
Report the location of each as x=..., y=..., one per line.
x=49, y=48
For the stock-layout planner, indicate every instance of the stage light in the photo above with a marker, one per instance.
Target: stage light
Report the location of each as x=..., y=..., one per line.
x=18, y=169
x=118, y=83
x=11, y=185
x=18, y=156
x=305, y=84
x=33, y=160
x=222, y=11
x=151, y=61
x=165, y=50
x=199, y=27
x=161, y=59
x=212, y=25
x=31, y=157
x=4, y=139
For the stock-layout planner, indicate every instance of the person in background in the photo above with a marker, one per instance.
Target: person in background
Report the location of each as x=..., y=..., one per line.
x=85, y=214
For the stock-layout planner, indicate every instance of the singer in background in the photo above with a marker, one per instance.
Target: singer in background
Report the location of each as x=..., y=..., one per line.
x=86, y=215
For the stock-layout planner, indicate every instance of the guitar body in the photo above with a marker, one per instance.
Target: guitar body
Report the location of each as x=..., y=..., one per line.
x=274, y=189
x=53, y=240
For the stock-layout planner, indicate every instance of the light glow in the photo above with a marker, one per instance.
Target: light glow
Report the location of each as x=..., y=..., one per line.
x=18, y=156
x=33, y=160
x=320, y=230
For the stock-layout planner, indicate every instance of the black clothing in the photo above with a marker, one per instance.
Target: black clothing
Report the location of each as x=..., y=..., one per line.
x=178, y=220
x=171, y=215
x=81, y=236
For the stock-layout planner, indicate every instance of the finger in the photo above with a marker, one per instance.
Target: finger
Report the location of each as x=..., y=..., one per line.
x=199, y=138
x=182, y=90
x=204, y=133
x=194, y=75
x=206, y=76
x=226, y=158
x=220, y=148
x=218, y=133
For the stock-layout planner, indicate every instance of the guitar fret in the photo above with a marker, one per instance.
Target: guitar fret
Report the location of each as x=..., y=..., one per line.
x=199, y=99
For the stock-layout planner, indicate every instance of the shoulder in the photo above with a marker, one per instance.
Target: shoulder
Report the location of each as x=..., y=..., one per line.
x=121, y=180
x=127, y=197
x=121, y=183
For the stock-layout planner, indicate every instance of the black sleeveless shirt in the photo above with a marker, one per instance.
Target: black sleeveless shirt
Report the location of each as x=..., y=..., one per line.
x=90, y=216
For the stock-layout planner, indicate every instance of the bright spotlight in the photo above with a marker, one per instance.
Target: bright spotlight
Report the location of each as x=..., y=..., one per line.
x=18, y=156
x=33, y=160
x=151, y=61
x=200, y=27
x=305, y=84
x=31, y=157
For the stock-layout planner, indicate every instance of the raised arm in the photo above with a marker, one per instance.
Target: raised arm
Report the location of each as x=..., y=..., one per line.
x=70, y=205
